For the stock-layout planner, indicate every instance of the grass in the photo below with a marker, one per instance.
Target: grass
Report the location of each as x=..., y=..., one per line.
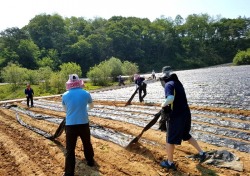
x=89, y=86
x=8, y=93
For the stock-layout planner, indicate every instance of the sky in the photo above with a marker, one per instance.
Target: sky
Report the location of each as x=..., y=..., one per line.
x=18, y=13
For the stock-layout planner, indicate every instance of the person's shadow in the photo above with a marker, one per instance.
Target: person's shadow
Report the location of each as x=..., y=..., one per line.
x=206, y=171
x=81, y=167
x=137, y=148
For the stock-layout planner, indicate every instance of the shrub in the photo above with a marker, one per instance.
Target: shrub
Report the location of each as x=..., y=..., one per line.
x=129, y=68
x=100, y=74
x=242, y=58
x=13, y=74
x=109, y=70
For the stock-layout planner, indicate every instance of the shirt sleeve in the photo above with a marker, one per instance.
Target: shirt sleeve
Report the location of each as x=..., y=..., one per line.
x=90, y=103
x=169, y=89
x=168, y=100
x=90, y=99
x=63, y=104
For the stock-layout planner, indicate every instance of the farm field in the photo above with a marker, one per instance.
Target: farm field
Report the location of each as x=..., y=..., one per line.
x=219, y=99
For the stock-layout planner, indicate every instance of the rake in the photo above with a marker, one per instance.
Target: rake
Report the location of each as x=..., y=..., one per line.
x=132, y=97
x=149, y=125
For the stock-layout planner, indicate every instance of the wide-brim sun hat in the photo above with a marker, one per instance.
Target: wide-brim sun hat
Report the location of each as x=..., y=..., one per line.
x=74, y=82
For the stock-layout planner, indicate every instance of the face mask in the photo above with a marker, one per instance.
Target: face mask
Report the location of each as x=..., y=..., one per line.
x=162, y=82
x=165, y=75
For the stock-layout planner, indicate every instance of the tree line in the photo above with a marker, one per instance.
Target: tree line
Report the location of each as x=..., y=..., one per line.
x=197, y=41
x=53, y=82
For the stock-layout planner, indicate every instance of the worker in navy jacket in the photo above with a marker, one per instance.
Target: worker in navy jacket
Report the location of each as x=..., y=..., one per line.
x=29, y=95
x=179, y=122
x=139, y=81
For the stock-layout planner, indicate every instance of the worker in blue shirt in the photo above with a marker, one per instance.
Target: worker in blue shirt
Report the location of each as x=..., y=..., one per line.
x=76, y=102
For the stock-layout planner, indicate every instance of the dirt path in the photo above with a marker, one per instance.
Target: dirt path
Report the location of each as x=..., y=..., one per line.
x=24, y=152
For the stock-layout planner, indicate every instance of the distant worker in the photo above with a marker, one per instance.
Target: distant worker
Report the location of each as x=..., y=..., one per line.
x=140, y=82
x=121, y=80
x=76, y=101
x=29, y=95
x=153, y=74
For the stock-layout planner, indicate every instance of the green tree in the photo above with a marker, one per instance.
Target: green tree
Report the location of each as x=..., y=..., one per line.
x=11, y=37
x=70, y=68
x=44, y=74
x=13, y=74
x=48, y=31
x=45, y=62
x=50, y=58
x=103, y=73
x=195, y=42
x=9, y=42
x=115, y=67
x=100, y=47
x=28, y=53
x=100, y=74
x=31, y=76
x=126, y=37
x=129, y=68
x=79, y=53
x=178, y=20
x=8, y=55
x=242, y=58
x=77, y=27
x=57, y=82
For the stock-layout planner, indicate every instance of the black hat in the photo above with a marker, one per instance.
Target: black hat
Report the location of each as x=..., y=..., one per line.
x=164, y=76
x=168, y=77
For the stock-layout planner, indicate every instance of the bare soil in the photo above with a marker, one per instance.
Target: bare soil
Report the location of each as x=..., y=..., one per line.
x=26, y=153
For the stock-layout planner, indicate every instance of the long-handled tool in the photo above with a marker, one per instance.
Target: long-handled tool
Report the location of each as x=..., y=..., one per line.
x=47, y=135
x=132, y=97
x=149, y=125
x=59, y=129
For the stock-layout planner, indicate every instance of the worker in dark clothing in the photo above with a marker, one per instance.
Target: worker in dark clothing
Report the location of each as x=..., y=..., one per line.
x=140, y=82
x=153, y=75
x=29, y=95
x=121, y=80
x=179, y=122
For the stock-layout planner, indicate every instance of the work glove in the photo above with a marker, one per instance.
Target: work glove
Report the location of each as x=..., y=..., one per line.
x=166, y=109
x=165, y=117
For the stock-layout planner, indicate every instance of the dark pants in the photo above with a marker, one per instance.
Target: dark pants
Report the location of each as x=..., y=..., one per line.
x=144, y=90
x=29, y=99
x=72, y=132
x=154, y=77
x=121, y=83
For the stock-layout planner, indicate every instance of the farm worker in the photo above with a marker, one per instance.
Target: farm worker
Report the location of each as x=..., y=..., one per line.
x=76, y=102
x=153, y=74
x=140, y=82
x=120, y=80
x=179, y=122
x=29, y=95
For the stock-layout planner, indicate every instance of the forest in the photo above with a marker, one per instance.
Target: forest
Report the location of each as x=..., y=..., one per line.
x=197, y=41
x=50, y=47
